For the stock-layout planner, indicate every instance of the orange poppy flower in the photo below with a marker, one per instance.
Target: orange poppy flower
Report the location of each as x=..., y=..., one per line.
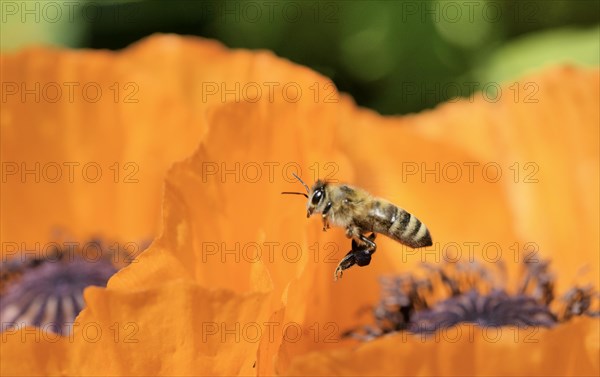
x=238, y=281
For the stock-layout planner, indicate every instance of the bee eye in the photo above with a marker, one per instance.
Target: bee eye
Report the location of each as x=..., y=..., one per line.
x=317, y=197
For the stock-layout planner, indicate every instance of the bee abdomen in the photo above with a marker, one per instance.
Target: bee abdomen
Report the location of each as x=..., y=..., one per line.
x=409, y=230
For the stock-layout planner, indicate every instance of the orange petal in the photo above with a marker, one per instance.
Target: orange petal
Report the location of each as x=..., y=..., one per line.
x=176, y=329
x=545, y=138
x=97, y=130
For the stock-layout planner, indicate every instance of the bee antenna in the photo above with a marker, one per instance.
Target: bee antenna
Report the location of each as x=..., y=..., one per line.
x=301, y=181
x=295, y=193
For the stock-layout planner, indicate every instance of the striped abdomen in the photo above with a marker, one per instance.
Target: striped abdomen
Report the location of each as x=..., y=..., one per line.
x=385, y=218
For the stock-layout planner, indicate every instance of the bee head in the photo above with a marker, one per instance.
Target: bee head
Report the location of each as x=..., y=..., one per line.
x=316, y=198
x=315, y=195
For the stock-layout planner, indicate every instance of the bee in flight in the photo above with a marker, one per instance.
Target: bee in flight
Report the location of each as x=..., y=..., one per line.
x=359, y=213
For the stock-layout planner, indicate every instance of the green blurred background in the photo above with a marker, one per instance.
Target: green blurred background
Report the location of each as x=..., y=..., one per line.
x=396, y=57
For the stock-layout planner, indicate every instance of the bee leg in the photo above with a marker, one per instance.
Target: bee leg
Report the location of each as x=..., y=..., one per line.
x=360, y=255
x=348, y=261
x=353, y=231
x=325, y=223
x=372, y=246
x=363, y=253
x=324, y=215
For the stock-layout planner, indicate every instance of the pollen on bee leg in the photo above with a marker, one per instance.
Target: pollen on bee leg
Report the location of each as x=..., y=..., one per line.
x=359, y=255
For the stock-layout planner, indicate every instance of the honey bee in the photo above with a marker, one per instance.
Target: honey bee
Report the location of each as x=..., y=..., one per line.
x=359, y=213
